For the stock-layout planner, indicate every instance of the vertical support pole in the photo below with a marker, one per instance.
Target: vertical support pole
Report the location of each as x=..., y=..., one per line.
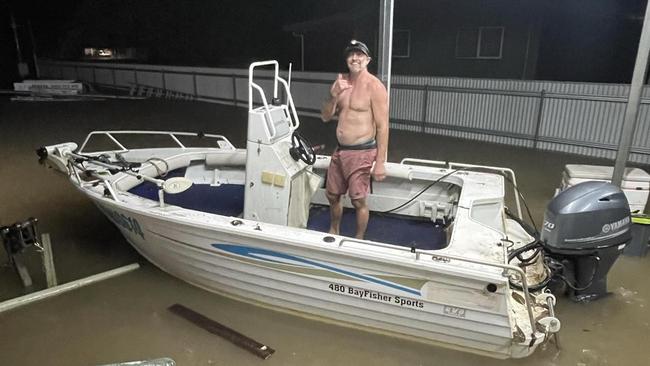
x=48, y=261
x=301, y=36
x=196, y=89
x=527, y=53
x=31, y=37
x=23, y=273
x=385, y=42
x=234, y=90
x=634, y=99
x=14, y=27
x=23, y=68
x=161, y=197
x=284, y=92
x=302, y=52
x=538, y=119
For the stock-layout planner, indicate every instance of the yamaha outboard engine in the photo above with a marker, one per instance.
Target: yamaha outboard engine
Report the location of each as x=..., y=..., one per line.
x=586, y=227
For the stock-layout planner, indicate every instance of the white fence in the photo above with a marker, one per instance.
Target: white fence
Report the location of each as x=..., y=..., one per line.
x=580, y=118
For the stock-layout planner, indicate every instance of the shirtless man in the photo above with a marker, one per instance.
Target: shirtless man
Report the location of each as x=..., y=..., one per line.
x=361, y=102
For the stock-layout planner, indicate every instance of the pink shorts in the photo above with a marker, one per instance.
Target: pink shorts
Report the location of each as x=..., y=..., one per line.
x=349, y=171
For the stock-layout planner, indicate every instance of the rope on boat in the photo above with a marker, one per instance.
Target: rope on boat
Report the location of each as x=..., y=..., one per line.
x=161, y=173
x=410, y=200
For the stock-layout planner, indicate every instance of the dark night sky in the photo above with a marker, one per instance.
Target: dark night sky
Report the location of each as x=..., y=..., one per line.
x=234, y=32
x=198, y=32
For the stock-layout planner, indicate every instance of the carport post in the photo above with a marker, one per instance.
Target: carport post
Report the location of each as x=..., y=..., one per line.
x=385, y=42
x=632, y=109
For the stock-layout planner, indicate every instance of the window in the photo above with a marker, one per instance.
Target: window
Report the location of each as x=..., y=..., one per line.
x=401, y=43
x=479, y=42
x=99, y=52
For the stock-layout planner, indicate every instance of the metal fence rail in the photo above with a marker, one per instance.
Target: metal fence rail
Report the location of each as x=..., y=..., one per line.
x=579, y=118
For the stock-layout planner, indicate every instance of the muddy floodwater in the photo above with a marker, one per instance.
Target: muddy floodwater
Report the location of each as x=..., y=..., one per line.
x=126, y=318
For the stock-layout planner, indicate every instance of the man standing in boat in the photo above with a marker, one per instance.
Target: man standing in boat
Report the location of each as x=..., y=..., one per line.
x=361, y=102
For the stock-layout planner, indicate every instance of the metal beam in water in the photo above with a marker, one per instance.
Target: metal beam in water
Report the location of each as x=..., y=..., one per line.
x=57, y=290
x=238, y=339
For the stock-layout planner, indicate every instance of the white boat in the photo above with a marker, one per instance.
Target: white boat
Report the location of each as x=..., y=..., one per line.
x=252, y=224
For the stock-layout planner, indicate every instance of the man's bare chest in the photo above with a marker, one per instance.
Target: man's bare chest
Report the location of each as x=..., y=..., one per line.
x=356, y=98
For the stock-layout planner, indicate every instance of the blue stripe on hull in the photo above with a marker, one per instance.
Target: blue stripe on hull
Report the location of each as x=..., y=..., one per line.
x=269, y=255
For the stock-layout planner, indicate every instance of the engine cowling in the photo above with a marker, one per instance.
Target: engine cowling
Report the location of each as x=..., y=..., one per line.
x=586, y=227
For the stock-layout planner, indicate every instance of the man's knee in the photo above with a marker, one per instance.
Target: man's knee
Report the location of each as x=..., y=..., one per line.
x=333, y=198
x=359, y=203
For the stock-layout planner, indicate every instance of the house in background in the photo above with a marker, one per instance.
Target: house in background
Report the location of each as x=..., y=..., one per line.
x=322, y=40
x=570, y=40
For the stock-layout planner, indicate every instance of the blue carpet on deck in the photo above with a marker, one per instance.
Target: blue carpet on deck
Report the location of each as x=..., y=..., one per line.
x=398, y=230
x=228, y=200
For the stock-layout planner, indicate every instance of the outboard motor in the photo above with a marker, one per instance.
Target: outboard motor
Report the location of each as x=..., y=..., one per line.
x=586, y=227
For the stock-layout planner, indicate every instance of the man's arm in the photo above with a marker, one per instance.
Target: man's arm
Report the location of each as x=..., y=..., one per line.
x=329, y=106
x=379, y=100
x=328, y=110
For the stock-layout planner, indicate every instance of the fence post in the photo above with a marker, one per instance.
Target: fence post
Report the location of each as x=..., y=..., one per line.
x=48, y=261
x=538, y=122
x=164, y=83
x=196, y=89
x=425, y=107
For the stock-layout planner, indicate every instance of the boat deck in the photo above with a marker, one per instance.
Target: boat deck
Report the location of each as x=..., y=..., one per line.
x=228, y=200
x=385, y=228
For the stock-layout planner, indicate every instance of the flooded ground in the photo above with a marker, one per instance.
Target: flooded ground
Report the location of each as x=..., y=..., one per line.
x=125, y=318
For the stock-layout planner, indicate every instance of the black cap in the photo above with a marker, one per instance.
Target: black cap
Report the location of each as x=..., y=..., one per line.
x=355, y=45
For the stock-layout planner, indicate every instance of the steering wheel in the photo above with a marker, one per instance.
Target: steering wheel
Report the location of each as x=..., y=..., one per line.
x=301, y=149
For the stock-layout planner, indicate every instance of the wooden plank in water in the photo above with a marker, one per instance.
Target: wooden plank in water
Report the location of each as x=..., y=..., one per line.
x=48, y=261
x=231, y=335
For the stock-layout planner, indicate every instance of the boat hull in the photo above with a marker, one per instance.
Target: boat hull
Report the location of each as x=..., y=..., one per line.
x=289, y=270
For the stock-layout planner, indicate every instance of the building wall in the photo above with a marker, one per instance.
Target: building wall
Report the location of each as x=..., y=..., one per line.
x=590, y=40
x=564, y=40
x=434, y=26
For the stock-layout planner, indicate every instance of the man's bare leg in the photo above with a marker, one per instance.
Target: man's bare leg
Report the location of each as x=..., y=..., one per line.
x=362, y=216
x=336, y=211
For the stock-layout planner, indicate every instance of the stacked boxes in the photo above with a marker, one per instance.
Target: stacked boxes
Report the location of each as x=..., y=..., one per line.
x=635, y=185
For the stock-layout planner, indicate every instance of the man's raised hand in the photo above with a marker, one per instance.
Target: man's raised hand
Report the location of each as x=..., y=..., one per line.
x=339, y=86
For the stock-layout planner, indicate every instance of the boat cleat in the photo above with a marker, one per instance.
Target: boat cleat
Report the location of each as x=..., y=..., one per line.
x=550, y=323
